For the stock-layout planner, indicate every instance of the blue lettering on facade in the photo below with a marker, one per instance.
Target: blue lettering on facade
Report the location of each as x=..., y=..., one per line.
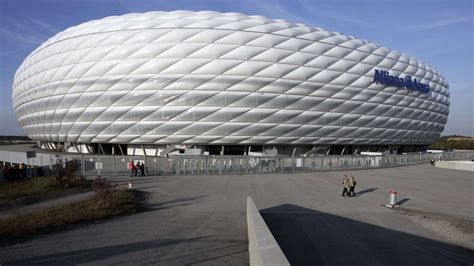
x=384, y=77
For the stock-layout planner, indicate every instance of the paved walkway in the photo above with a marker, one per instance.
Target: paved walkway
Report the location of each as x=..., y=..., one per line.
x=202, y=220
x=45, y=204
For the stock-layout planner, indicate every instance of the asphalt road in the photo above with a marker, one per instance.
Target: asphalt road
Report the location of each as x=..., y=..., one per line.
x=201, y=220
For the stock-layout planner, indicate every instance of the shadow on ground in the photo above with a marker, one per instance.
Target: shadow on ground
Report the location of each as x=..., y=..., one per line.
x=362, y=192
x=310, y=237
x=93, y=254
x=400, y=202
x=166, y=251
x=179, y=202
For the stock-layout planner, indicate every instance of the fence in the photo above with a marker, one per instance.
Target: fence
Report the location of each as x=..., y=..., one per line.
x=92, y=165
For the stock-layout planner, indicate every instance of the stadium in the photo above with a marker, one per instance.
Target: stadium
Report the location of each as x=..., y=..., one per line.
x=183, y=82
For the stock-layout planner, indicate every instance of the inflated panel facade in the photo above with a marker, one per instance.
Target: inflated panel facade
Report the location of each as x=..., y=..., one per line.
x=222, y=78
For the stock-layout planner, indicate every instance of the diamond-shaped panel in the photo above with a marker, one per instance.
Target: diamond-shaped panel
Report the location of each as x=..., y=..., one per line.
x=221, y=78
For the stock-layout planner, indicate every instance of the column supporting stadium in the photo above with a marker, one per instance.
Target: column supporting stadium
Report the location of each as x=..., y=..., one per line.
x=224, y=150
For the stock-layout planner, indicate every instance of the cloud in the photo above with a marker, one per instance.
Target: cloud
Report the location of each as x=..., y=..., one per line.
x=280, y=11
x=22, y=38
x=45, y=25
x=442, y=23
x=329, y=13
x=348, y=20
x=26, y=34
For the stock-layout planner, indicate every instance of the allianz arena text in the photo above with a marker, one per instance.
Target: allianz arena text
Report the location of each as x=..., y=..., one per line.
x=160, y=83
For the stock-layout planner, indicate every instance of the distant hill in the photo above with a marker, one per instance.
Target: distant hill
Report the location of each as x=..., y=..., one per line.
x=454, y=142
x=14, y=139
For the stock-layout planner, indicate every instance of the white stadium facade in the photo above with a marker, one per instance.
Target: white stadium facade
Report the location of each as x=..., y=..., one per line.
x=224, y=83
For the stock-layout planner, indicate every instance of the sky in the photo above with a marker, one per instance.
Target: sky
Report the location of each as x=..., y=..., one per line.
x=437, y=32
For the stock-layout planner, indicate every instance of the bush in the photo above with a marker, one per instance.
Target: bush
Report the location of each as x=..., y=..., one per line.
x=65, y=175
x=103, y=189
x=22, y=191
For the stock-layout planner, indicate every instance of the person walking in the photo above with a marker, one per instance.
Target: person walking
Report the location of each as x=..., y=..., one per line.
x=130, y=167
x=137, y=166
x=352, y=184
x=142, y=169
x=345, y=182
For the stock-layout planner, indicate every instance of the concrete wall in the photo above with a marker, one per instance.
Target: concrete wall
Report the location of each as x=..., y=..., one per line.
x=263, y=248
x=13, y=157
x=456, y=165
x=20, y=157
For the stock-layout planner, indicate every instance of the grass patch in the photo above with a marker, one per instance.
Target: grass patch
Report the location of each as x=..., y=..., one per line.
x=120, y=202
x=24, y=191
x=27, y=188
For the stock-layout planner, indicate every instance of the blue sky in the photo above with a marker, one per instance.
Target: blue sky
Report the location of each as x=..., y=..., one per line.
x=438, y=32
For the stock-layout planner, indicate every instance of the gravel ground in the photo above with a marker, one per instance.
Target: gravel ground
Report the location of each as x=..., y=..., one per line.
x=456, y=230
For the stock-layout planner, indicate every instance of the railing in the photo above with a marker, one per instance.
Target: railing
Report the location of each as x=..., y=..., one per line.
x=92, y=165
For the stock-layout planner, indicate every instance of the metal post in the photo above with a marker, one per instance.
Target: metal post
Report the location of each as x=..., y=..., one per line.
x=233, y=165
x=259, y=165
x=393, y=198
x=145, y=167
x=101, y=149
x=28, y=168
x=120, y=148
x=98, y=164
x=177, y=166
x=293, y=153
x=83, y=170
x=293, y=160
x=114, y=166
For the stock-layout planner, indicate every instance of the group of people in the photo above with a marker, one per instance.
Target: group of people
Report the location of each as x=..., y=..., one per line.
x=14, y=172
x=349, y=186
x=137, y=169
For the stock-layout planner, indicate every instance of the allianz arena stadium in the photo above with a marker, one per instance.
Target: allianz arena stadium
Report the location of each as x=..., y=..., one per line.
x=224, y=83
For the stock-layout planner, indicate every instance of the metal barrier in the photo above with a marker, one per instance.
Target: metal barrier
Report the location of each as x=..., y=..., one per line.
x=93, y=165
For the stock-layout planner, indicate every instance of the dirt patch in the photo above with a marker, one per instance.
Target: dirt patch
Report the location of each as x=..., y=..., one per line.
x=456, y=230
